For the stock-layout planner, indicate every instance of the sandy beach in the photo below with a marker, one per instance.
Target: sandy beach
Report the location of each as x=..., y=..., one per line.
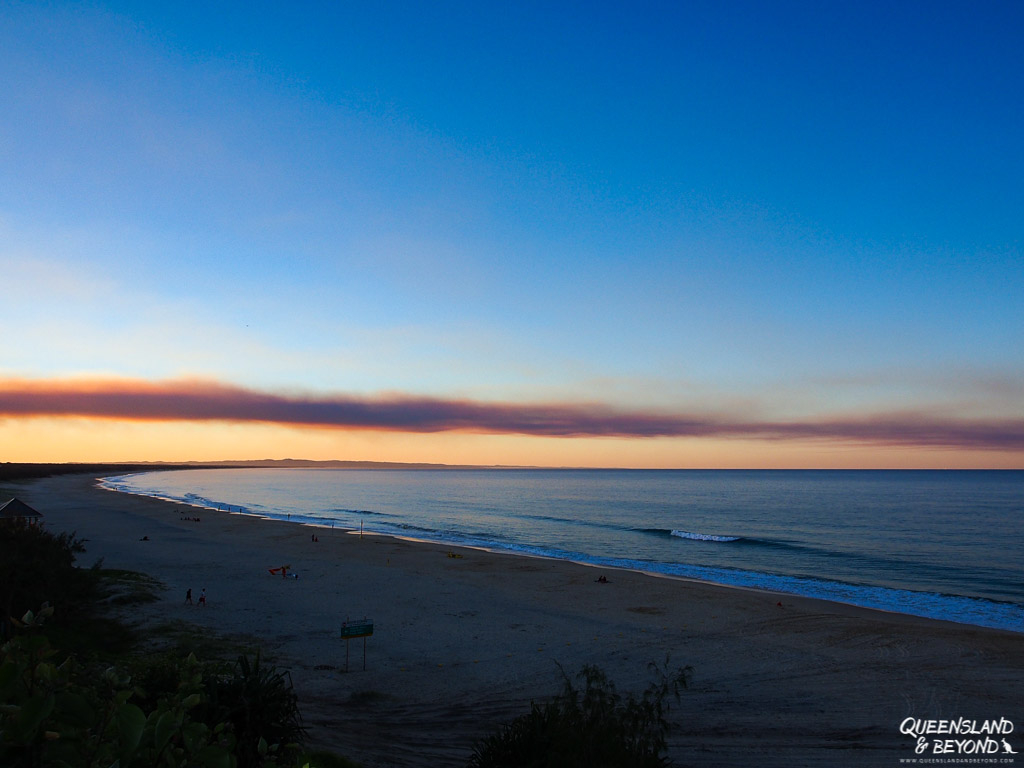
x=461, y=644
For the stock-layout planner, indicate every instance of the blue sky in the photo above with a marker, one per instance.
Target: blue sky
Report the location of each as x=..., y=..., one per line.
x=780, y=210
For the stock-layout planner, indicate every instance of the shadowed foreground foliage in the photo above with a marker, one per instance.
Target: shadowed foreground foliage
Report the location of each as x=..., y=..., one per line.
x=56, y=711
x=262, y=708
x=588, y=727
x=66, y=700
x=37, y=566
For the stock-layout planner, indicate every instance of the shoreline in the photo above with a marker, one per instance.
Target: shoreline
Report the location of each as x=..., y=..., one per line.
x=950, y=607
x=463, y=644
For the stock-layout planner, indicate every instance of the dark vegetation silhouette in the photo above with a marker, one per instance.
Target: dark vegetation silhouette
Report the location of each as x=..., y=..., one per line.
x=589, y=725
x=37, y=566
x=74, y=704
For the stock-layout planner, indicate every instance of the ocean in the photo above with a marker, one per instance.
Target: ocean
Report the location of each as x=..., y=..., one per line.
x=941, y=544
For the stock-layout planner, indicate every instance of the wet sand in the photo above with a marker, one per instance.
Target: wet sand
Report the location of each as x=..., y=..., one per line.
x=462, y=644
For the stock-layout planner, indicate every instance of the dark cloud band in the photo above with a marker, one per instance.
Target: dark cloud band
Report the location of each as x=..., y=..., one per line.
x=203, y=401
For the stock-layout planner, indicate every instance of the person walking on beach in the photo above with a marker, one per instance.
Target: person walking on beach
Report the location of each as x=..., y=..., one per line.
x=202, y=597
x=188, y=596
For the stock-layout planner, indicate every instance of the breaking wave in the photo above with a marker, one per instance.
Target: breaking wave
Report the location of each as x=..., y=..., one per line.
x=703, y=536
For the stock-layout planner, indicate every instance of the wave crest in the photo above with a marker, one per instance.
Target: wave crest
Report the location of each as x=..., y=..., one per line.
x=703, y=536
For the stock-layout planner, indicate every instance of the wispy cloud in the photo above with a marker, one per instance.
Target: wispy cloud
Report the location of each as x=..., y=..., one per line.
x=185, y=400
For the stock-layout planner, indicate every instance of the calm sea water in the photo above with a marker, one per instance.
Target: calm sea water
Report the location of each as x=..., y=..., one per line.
x=942, y=544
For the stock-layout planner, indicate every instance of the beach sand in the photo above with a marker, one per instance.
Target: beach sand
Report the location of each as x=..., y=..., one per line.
x=463, y=644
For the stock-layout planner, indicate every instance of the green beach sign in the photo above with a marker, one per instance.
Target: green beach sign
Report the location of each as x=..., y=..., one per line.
x=362, y=628
x=352, y=629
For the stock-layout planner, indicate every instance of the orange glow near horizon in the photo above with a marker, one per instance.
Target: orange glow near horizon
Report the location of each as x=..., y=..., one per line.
x=75, y=439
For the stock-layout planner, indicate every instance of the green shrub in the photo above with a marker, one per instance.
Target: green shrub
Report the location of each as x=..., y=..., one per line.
x=588, y=727
x=60, y=707
x=59, y=715
x=37, y=566
x=262, y=708
x=174, y=712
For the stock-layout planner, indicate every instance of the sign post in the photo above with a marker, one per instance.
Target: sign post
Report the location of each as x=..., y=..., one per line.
x=353, y=629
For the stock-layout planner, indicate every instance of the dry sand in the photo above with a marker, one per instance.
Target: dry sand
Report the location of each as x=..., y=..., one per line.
x=462, y=644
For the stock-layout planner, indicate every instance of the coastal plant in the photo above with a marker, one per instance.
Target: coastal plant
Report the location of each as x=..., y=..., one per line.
x=588, y=725
x=170, y=712
x=38, y=566
x=262, y=708
x=167, y=736
x=73, y=694
x=60, y=714
x=30, y=684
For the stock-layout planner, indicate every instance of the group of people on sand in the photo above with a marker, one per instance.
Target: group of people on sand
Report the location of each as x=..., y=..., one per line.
x=314, y=537
x=202, y=597
x=191, y=519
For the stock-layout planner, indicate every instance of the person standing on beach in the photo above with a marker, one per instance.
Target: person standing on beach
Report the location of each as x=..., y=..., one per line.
x=202, y=597
x=188, y=596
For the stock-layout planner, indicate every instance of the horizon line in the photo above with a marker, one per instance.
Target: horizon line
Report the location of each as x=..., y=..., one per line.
x=421, y=465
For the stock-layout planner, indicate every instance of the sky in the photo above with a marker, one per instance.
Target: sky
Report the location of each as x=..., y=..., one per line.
x=707, y=234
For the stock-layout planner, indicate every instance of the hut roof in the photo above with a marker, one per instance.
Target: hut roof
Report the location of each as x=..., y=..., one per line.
x=15, y=508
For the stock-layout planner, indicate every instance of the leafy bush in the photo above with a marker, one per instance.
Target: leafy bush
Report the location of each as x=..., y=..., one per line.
x=38, y=566
x=183, y=714
x=56, y=714
x=263, y=710
x=163, y=711
x=592, y=727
